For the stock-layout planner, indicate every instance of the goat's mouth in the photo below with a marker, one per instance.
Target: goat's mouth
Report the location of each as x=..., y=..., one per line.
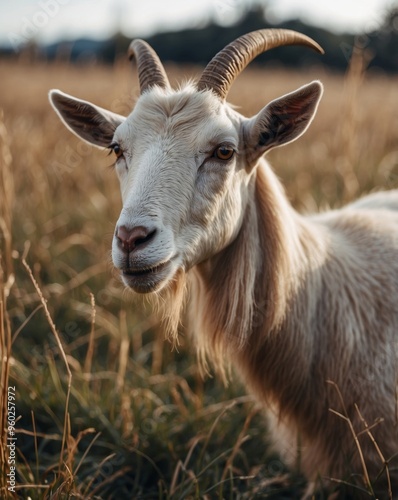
x=146, y=279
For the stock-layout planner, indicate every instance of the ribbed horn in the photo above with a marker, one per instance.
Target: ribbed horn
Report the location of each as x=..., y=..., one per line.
x=222, y=70
x=150, y=69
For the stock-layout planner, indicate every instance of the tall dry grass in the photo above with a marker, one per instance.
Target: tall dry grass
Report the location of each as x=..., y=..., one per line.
x=106, y=408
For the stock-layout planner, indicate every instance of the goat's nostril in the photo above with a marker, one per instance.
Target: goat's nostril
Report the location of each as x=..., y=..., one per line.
x=145, y=239
x=134, y=238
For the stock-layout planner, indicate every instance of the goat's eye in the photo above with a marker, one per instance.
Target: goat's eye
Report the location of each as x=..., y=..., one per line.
x=224, y=153
x=116, y=149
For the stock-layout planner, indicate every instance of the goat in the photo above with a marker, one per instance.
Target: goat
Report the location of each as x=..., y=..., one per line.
x=305, y=306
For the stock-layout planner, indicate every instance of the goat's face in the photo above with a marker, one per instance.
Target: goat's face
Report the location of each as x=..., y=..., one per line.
x=182, y=180
x=184, y=160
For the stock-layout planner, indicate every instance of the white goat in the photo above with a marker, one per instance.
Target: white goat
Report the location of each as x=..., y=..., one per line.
x=306, y=307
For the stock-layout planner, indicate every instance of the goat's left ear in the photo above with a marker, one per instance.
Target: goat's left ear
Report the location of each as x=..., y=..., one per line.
x=86, y=120
x=282, y=120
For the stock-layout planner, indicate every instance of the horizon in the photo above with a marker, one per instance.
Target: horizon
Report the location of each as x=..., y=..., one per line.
x=50, y=21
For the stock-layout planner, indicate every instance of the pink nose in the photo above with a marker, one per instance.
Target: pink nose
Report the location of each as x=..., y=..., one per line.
x=135, y=238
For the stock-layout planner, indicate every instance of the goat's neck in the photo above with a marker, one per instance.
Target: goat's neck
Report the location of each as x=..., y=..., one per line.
x=241, y=295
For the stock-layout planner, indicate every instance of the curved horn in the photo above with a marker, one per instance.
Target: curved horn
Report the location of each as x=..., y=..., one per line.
x=222, y=70
x=150, y=69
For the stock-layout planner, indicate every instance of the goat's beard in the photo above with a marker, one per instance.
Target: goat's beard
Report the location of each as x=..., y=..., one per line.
x=168, y=303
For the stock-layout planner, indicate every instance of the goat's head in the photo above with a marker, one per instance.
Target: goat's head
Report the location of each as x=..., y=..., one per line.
x=185, y=158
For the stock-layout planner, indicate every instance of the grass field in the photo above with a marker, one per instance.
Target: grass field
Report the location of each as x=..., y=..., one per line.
x=105, y=408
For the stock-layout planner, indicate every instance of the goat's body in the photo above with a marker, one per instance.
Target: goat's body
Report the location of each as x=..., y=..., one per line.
x=305, y=306
x=334, y=344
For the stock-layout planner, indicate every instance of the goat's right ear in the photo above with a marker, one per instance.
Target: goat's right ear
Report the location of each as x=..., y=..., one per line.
x=89, y=122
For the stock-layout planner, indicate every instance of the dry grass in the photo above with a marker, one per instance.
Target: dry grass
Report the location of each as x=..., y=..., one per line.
x=106, y=409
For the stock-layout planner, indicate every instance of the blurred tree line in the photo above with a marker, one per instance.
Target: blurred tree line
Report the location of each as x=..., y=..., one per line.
x=198, y=46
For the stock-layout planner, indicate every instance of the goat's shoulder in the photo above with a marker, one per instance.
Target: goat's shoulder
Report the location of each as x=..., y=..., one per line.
x=362, y=238
x=373, y=216
x=387, y=200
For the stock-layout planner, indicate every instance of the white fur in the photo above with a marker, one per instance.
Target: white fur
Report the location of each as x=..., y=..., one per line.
x=305, y=307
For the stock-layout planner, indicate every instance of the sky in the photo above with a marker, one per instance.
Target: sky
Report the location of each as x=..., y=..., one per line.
x=49, y=20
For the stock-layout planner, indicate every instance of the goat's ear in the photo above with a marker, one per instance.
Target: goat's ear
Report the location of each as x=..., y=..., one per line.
x=89, y=122
x=283, y=120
